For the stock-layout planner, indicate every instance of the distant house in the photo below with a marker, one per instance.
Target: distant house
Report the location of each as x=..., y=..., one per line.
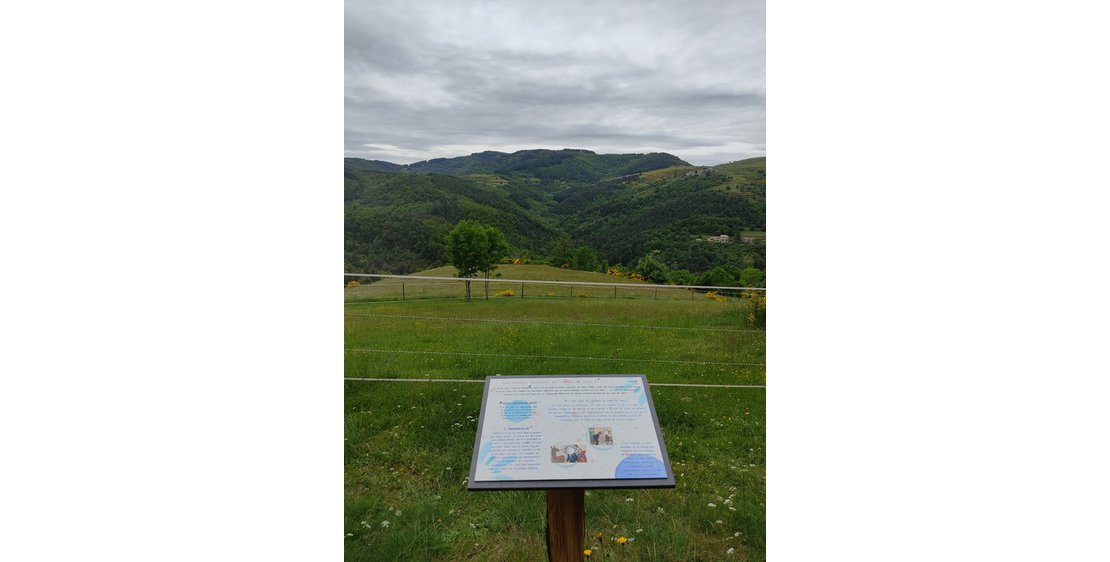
x=719, y=238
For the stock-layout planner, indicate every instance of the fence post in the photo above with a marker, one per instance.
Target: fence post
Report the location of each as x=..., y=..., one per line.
x=522, y=290
x=402, y=290
x=487, y=289
x=614, y=291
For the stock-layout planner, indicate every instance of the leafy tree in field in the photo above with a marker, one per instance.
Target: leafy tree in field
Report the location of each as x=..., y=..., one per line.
x=585, y=258
x=683, y=277
x=718, y=277
x=652, y=269
x=473, y=248
x=751, y=277
x=497, y=248
x=562, y=253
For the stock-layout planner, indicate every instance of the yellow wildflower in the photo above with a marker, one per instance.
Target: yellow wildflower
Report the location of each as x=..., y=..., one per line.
x=621, y=540
x=587, y=552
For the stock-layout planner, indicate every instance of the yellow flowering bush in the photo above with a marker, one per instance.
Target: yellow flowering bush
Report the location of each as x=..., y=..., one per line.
x=757, y=314
x=352, y=283
x=505, y=293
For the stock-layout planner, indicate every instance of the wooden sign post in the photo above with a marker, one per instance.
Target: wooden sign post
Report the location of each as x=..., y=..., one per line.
x=566, y=434
x=566, y=524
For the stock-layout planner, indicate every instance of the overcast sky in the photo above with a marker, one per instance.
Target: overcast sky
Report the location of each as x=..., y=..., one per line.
x=428, y=79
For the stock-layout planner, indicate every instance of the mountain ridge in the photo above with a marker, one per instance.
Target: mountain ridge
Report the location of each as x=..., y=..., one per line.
x=571, y=164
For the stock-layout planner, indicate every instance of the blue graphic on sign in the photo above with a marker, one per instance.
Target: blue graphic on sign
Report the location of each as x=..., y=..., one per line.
x=517, y=411
x=640, y=466
x=501, y=463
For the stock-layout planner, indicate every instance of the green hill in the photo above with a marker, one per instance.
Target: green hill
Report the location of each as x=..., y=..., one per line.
x=398, y=222
x=671, y=211
x=623, y=206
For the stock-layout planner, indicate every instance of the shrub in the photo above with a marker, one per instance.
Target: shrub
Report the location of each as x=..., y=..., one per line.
x=757, y=314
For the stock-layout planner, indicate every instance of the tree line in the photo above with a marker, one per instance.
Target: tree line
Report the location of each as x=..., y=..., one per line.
x=473, y=249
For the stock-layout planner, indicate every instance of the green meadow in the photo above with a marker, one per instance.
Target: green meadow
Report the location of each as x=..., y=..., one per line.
x=416, y=289
x=408, y=444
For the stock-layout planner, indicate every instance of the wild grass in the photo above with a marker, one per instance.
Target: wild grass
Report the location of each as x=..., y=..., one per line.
x=408, y=444
x=408, y=449
x=703, y=341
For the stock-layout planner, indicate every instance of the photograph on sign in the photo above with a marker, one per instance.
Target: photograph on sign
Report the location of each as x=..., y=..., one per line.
x=568, y=431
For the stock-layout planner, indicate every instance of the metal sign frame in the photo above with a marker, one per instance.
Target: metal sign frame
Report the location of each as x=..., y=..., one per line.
x=667, y=482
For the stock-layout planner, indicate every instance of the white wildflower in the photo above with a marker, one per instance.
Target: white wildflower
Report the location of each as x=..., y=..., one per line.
x=385, y=524
x=711, y=504
x=730, y=551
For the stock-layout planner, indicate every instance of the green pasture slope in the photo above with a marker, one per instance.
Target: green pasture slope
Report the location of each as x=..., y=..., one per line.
x=408, y=444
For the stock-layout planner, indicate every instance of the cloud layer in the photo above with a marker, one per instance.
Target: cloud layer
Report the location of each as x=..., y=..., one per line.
x=448, y=78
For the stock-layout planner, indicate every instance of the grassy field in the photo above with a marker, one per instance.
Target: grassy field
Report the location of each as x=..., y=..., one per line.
x=390, y=289
x=408, y=444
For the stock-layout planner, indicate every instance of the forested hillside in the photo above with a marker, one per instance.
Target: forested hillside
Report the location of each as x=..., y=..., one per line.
x=558, y=206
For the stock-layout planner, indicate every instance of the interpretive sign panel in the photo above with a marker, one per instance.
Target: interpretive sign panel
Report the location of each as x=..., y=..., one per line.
x=568, y=431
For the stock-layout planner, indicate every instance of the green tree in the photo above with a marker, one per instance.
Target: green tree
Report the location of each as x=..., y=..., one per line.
x=751, y=277
x=496, y=248
x=683, y=277
x=562, y=253
x=653, y=269
x=718, y=277
x=585, y=258
x=473, y=248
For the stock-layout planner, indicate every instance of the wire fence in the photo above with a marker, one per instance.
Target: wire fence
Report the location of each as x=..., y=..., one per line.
x=553, y=323
x=717, y=345
x=369, y=287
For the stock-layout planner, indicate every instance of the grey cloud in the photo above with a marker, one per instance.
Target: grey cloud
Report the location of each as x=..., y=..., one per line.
x=434, y=79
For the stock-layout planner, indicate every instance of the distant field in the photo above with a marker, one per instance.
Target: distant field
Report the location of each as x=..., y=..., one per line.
x=391, y=289
x=408, y=444
x=695, y=342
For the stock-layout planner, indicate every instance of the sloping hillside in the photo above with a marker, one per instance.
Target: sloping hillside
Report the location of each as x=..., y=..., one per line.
x=398, y=222
x=671, y=211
